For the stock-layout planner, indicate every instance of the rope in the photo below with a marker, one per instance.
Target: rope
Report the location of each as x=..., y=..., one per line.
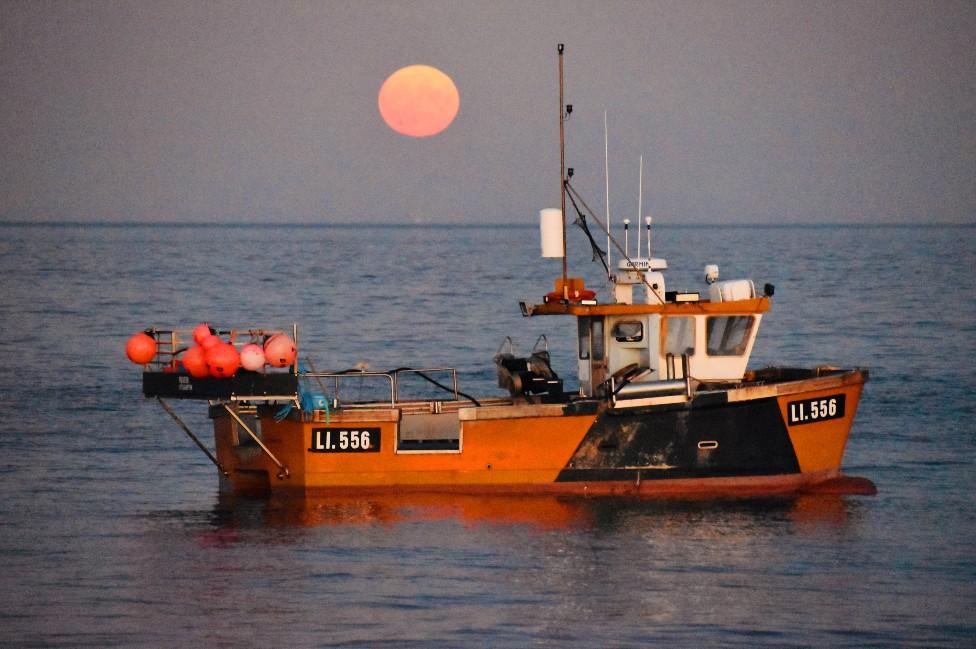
x=571, y=192
x=581, y=222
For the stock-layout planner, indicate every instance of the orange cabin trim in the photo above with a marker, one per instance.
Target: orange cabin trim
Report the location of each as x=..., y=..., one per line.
x=750, y=306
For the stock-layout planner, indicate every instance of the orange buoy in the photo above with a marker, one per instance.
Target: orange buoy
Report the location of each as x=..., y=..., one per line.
x=279, y=350
x=141, y=348
x=223, y=360
x=200, y=332
x=209, y=342
x=252, y=357
x=195, y=362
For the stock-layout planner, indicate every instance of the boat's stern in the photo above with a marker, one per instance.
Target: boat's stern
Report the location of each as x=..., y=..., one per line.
x=245, y=467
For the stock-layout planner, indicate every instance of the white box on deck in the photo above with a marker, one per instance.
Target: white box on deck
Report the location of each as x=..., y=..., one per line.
x=732, y=290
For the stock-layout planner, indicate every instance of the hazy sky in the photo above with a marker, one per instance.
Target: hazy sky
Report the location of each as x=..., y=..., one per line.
x=745, y=111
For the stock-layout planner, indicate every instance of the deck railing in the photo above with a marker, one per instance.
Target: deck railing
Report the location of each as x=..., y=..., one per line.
x=393, y=380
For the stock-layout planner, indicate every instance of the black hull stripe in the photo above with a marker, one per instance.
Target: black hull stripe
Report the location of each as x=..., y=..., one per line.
x=721, y=440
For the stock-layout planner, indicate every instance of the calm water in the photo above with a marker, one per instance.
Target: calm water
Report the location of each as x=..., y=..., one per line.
x=112, y=533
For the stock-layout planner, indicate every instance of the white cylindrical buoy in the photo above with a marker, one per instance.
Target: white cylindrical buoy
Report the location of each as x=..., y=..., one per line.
x=711, y=273
x=551, y=232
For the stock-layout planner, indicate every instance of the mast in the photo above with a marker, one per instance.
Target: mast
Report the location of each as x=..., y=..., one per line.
x=606, y=176
x=562, y=168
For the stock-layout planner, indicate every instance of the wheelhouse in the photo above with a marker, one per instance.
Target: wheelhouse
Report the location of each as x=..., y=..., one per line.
x=680, y=338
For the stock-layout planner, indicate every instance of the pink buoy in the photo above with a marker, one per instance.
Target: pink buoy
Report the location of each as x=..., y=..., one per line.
x=200, y=332
x=195, y=362
x=279, y=350
x=252, y=357
x=223, y=360
x=141, y=348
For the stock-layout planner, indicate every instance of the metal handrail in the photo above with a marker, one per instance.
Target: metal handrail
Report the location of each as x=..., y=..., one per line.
x=453, y=371
x=392, y=377
x=335, y=376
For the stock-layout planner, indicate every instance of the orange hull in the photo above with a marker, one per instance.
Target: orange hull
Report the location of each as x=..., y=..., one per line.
x=502, y=448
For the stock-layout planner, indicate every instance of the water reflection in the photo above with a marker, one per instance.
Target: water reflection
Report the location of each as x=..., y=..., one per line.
x=538, y=512
x=497, y=570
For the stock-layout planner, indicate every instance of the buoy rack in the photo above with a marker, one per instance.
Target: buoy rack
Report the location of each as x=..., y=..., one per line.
x=277, y=386
x=163, y=378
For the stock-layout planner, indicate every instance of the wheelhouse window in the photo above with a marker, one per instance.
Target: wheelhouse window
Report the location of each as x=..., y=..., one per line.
x=596, y=339
x=583, y=325
x=590, y=338
x=680, y=337
x=728, y=335
x=628, y=331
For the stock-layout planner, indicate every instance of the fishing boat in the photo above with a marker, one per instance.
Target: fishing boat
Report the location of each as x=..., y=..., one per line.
x=665, y=405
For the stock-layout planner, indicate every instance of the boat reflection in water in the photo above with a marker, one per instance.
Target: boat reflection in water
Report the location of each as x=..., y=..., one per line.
x=541, y=512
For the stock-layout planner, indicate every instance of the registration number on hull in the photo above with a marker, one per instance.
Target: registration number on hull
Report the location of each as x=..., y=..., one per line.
x=809, y=411
x=345, y=440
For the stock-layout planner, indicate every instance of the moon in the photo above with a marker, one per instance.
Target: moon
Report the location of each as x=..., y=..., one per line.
x=418, y=101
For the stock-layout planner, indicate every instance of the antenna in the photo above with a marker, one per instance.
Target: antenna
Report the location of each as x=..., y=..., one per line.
x=648, y=220
x=627, y=236
x=562, y=166
x=606, y=175
x=640, y=197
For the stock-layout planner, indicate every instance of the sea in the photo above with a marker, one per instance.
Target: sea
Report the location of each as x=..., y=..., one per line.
x=113, y=533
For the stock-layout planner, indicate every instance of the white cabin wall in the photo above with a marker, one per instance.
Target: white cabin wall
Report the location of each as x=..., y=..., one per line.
x=720, y=368
x=648, y=353
x=642, y=352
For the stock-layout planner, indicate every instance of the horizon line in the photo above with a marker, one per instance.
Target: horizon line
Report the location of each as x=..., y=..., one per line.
x=442, y=224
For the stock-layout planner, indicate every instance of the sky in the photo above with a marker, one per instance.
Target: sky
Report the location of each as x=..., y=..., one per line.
x=266, y=112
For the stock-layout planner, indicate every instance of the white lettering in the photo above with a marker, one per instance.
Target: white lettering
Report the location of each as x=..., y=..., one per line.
x=322, y=440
